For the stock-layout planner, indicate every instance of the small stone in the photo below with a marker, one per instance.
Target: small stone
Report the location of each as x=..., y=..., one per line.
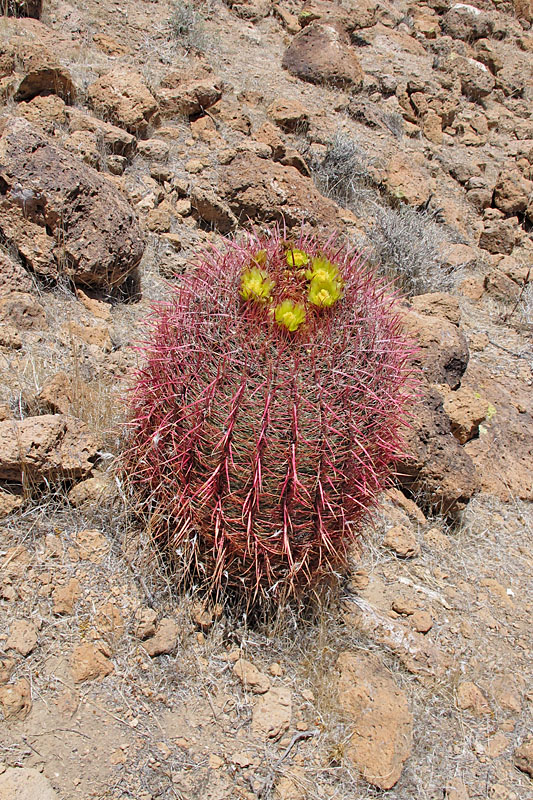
x=401, y=540
x=404, y=604
x=421, y=621
x=9, y=503
x=276, y=670
x=7, y=666
x=271, y=715
x=165, y=639
x=89, y=663
x=93, y=545
x=471, y=698
x=65, y=597
x=523, y=757
x=251, y=677
x=496, y=745
x=145, y=619
x=24, y=783
x=456, y=790
x=194, y=166
x=110, y=620
x=382, y=726
x=201, y=616
x=22, y=637
x=15, y=699
x=436, y=539
x=215, y=762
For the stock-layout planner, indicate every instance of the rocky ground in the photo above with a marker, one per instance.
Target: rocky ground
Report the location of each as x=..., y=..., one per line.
x=133, y=135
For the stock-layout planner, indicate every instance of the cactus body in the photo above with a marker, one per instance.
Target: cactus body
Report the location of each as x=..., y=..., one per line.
x=267, y=413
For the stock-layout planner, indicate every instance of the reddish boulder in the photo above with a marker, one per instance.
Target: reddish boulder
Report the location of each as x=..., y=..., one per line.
x=260, y=190
x=122, y=97
x=61, y=216
x=46, y=448
x=321, y=53
x=438, y=472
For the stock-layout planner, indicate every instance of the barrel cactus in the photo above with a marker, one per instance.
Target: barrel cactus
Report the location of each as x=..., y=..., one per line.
x=267, y=413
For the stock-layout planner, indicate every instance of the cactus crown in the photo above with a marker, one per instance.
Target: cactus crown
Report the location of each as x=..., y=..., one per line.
x=267, y=413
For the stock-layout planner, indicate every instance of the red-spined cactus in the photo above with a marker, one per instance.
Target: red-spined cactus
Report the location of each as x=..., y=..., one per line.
x=267, y=413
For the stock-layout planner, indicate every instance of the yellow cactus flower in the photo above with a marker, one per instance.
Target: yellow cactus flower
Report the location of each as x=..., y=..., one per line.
x=256, y=285
x=260, y=258
x=324, y=293
x=290, y=314
x=296, y=258
x=323, y=270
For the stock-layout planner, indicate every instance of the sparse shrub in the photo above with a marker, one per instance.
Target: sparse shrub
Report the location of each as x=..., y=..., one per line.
x=343, y=173
x=267, y=414
x=187, y=26
x=407, y=245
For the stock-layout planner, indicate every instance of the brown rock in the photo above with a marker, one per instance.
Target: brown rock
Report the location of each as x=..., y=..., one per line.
x=524, y=9
x=202, y=616
x=165, y=638
x=122, y=96
x=13, y=276
x=503, y=454
x=382, y=724
x=402, y=541
x=253, y=10
x=432, y=127
x=109, y=620
x=523, y=757
x=321, y=54
x=436, y=539
x=271, y=713
x=438, y=471
x=9, y=503
x=24, y=783
x=93, y=334
x=498, y=283
x=456, y=790
x=22, y=637
x=48, y=112
x=212, y=209
x=45, y=448
x=95, y=491
x=466, y=410
x=84, y=145
x=251, y=677
x=352, y=15
x=23, y=311
x=181, y=97
x=145, y=622
x=442, y=347
x=7, y=665
x=65, y=597
x=269, y=192
x=471, y=698
x=154, y=149
x=93, y=545
x=421, y=621
x=511, y=192
x=498, y=236
x=94, y=240
x=43, y=74
x=60, y=394
x=466, y=22
x=290, y=115
x=15, y=699
x=407, y=181
x=89, y=663
x=115, y=140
